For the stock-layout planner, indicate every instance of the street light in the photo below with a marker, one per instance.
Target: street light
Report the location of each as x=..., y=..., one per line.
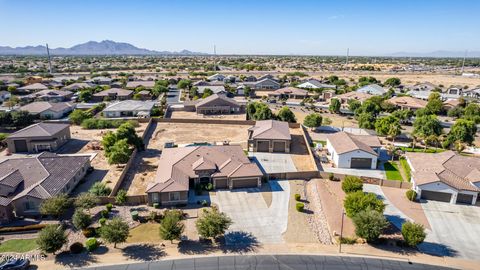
x=341, y=233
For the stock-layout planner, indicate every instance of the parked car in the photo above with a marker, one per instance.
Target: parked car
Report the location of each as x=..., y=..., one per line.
x=15, y=264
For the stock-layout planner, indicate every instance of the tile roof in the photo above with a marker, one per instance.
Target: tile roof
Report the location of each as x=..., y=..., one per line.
x=39, y=130
x=130, y=105
x=217, y=100
x=406, y=101
x=215, y=88
x=344, y=142
x=116, y=91
x=373, y=89
x=354, y=95
x=34, y=86
x=135, y=84
x=77, y=86
x=41, y=106
x=270, y=129
x=290, y=91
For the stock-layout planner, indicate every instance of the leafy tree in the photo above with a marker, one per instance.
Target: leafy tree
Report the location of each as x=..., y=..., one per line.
x=413, y=233
x=184, y=84
x=352, y=184
x=326, y=121
x=463, y=131
x=116, y=231
x=259, y=111
x=21, y=118
x=108, y=140
x=356, y=202
x=119, y=153
x=366, y=120
x=354, y=104
x=286, y=115
x=78, y=116
x=212, y=223
x=427, y=125
x=171, y=226
x=393, y=82
x=85, y=95
x=435, y=104
x=334, y=105
x=456, y=112
x=403, y=115
x=55, y=206
x=207, y=92
x=472, y=113
x=127, y=131
x=313, y=120
x=100, y=189
x=121, y=197
x=81, y=220
x=371, y=106
x=87, y=200
x=5, y=119
x=51, y=238
x=369, y=224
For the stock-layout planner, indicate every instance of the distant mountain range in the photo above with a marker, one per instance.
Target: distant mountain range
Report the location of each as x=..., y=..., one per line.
x=437, y=54
x=106, y=47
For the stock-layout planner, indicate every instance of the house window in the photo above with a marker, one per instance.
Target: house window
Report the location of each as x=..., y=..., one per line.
x=155, y=197
x=174, y=196
x=29, y=206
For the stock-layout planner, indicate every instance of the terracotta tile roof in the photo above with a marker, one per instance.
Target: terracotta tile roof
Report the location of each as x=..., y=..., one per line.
x=290, y=91
x=407, y=101
x=270, y=130
x=216, y=100
x=39, y=130
x=354, y=95
x=41, y=106
x=344, y=142
x=117, y=91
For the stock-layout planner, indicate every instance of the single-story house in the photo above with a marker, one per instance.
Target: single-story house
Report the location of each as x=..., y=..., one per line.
x=216, y=77
x=472, y=93
x=48, y=110
x=4, y=95
x=27, y=181
x=407, y=103
x=39, y=137
x=48, y=95
x=372, y=89
x=216, y=89
x=289, y=92
x=181, y=169
x=144, y=95
x=446, y=176
x=315, y=84
x=112, y=94
x=353, y=151
x=214, y=104
x=145, y=84
x=353, y=96
x=78, y=86
x=450, y=104
x=426, y=86
x=6, y=209
x=269, y=136
x=129, y=108
x=32, y=88
x=264, y=84
x=33, y=79
x=101, y=80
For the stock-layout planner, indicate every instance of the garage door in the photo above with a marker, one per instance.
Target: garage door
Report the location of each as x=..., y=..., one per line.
x=279, y=147
x=20, y=146
x=361, y=163
x=245, y=183
x=262, y=146
x=464, y=198
x=221, y=183
x=436, y=196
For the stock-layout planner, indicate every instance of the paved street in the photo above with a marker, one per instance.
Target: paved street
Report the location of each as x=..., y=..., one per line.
x=455, y=230
x=272, y=262
x=274, y=162
x=250, y=213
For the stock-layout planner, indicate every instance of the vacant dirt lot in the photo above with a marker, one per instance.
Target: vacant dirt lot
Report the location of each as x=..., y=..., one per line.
x=299, y=151
x=194, y=115
x=146, y=162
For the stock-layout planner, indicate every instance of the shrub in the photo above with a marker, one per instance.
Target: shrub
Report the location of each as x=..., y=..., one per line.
x=297, y=197
x=109, y=207
x=348, y=240
x=89, y=232
x=86, y=200
x=134, y=215
x=209, y=186
x=121, y=197
x=352, y=184
x=369, y=224
x=358, y=201
x=91, y=244
x=104, y=213
x=33, y=227
x=171, y=227
x=100, y=189
x=411, y=195
x=331, y=176
x=51, y=238
x=154, y=216
x=156, y=205
x=204, y=203
x=413, y=233
x=299, y=206
x=81, y=220
x=212, y=223
x=102, y=221
x=76, y=248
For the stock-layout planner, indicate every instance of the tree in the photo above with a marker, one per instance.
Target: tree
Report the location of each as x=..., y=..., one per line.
x=184, y=84
x=51, y=238
x=80, y=219
x=77, y=116
x=366, y=120
x=434, y=105
x=427, y=125
x=21, y=118
x=472, y=113
x=212, y=223
x=313, y=120
x=108, y=140
x=286, y=115
x=356, y=202
x=119, y=153
x=403, y=115
x=121, y=197
x=259, y=111
x=369, y=224
x=100, y=189
x=55, y=206
x=384, y=125
x=86, y=200
x=116, y=231
x=413, y=233
x=171, y=227
x=353, y=104
x=456, y=112
x=207, y=92
x=463, y=130
x=393, y=82
x=85, y=95
x=334, y=105
x=352, y=184
x=127, y=131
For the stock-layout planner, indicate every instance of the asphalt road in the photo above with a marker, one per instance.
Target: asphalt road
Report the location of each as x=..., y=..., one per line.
x=270, y=262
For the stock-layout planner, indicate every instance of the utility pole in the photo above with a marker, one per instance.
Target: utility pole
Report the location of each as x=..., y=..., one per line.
x=463, y=63
x=341, y=234
x=215, y=57
x=49, y=61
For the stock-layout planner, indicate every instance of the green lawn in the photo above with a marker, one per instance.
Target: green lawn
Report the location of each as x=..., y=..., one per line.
x=391, y=169
x=422, y=150
x=147, y=232
x=406, y=168
x=18, y=245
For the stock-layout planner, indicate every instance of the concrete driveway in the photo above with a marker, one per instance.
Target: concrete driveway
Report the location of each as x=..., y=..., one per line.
x=274, y=162
x=357, y=172
x=250, y=214
x=455, y=230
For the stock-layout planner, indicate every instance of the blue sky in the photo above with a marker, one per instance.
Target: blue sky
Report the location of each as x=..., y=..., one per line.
x=247, y=26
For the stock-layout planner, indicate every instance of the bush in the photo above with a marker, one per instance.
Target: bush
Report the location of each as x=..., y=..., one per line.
x=331, y=176
x=100, y=189
x=209, y=187
x=348, y=240
x=413, y=233
x=352, y=184
x=156, y=205
x=121, y=197
x=411, y=195
x=134, y=215
x=104, y=213
x=76, y=248
x=369, y=224
x=34, y=227
x=102, y=221
x=81, y=220
x=51, y=238
x=299, y=206
x=204, y=203
x=91, y=244
x=358, y=201
x=109, y=207
x=89, y=232
x=154, y=216
x=297, y=197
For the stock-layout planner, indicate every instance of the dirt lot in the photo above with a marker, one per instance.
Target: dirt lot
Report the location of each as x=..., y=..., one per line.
x=299, y=151
x=193, y=115
x=103, y=171
x=146, y=162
